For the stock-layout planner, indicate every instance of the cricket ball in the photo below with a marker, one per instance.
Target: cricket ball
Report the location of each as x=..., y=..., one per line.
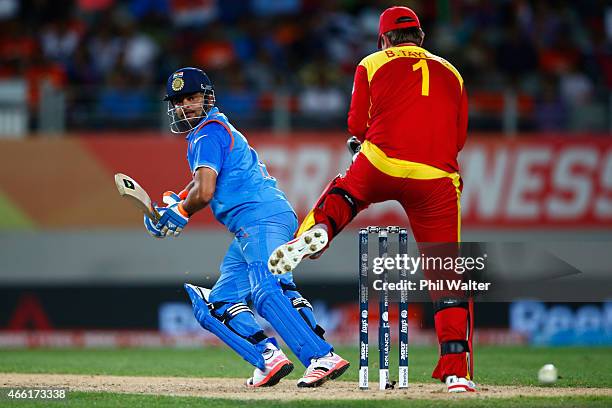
x=548, y=374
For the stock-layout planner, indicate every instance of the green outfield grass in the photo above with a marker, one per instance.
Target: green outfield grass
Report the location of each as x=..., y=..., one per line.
x=579, y=367
x=100, y=400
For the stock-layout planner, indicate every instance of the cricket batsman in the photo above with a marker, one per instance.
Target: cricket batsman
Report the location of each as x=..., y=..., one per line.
x=228, y=176
x=409, y=114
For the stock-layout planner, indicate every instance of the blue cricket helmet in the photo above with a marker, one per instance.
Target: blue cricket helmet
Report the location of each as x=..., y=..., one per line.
x=185, y=81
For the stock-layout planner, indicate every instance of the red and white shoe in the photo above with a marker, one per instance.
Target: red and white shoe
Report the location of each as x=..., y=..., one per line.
x=277, y=367
x=286, y=257
x=459, y=384
x=324, y=368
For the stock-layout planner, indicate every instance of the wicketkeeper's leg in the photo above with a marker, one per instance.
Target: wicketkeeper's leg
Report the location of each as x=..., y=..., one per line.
x=335, y=208
x=434, y=212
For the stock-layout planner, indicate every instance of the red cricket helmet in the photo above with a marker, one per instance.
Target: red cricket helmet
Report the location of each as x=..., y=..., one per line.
x=394, y=18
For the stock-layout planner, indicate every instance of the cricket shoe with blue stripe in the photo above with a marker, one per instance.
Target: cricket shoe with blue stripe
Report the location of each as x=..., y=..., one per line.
x=287, y=257
x=277, y=367
x=324, y=368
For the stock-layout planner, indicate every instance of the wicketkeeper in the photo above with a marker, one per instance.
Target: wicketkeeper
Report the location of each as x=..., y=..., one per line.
x=409, y=111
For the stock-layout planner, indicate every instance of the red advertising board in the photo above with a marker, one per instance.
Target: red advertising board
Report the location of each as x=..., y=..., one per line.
x=535, y=182
x=547, y=182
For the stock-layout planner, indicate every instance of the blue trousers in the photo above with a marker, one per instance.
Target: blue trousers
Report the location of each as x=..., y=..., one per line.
x=253, y=245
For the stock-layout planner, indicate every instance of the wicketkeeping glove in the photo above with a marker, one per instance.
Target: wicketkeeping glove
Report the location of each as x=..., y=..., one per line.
x=354, y=146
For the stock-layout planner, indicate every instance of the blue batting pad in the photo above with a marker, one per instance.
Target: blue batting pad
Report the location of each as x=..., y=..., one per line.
x=240, y=345
x=302, y=305
x=277, y=309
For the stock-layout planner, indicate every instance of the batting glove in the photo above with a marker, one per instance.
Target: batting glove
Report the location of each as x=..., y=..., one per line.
x=170, y=197
x=151, y=225
x=175, y=218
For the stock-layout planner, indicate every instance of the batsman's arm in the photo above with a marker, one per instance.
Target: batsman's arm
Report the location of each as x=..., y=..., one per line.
x=202, y=190
x=184, y=192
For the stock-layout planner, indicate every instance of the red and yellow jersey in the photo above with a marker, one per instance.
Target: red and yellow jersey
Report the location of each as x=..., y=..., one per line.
x=412, y=105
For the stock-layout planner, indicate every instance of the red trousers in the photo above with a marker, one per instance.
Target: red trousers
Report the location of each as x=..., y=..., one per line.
x=433, y=210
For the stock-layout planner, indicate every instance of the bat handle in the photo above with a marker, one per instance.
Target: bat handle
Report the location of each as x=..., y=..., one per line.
x=155, y=213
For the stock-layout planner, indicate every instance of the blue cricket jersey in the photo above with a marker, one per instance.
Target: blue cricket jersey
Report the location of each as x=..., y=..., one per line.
x=245, y=192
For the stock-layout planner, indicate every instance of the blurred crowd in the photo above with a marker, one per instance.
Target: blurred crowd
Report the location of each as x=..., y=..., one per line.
x=112, y=57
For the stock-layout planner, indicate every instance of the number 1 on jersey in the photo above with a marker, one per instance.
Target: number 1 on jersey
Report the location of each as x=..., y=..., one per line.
x=422, y=65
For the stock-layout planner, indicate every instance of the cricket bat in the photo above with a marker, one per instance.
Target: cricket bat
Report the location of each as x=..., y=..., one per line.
x=130, y=189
